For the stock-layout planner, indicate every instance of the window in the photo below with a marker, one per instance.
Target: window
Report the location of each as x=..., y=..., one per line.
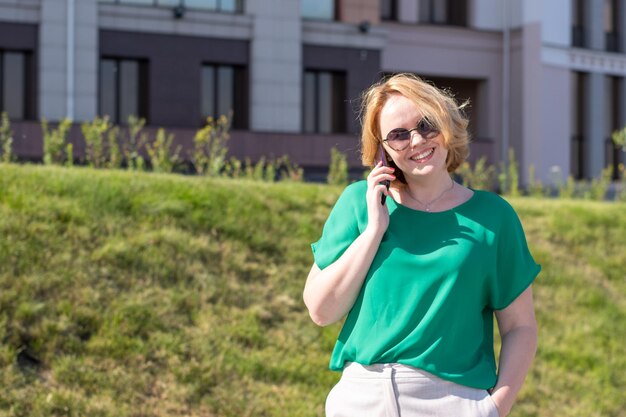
x=389, y=9
x=578, y=27
x=123, y=88
x=318, y=9
x=613, y=152
x=228, y=6
x=224, y=92
x=324, y=102
x=578, y=144
x=610, y=25
x=443, y=12
x=15, y=71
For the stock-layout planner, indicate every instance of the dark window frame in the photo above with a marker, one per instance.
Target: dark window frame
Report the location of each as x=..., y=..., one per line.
x=456, y=14
x=614, y=151
x=579, y=143
x=612, y=38
x=393, y=17
x=240, y=94
x=28, y=105
x=578, y=26
x=339, y=115
x=143, y=83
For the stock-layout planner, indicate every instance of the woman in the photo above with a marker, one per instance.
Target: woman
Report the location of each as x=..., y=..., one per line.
x=421, y=272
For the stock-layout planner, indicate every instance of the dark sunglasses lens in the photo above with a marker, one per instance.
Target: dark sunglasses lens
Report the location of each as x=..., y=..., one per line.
x=426, y=130
x=398, y=135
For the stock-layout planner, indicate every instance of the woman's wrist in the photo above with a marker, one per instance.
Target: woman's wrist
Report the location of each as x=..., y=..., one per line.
x=374, y=232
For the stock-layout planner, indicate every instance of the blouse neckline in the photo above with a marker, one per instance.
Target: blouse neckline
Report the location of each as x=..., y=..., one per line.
x=429, y=213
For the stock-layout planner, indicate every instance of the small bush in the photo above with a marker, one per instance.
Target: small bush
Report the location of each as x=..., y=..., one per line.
x=136, y=140
x=599, y=186
x=508, y=176
x=69, y=151
x=115, y=153
x=290, y=171
x=621, y=194
x=6, y=139
x=619, y=138
x=535, y=187
x=338, y=170
x=54, y=142
x=160, y=152
x=481, y=177
x=210, y=146
x=94, y=133
x=567, y=189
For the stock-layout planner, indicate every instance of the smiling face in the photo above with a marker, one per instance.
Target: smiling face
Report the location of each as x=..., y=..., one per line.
x=422, y=157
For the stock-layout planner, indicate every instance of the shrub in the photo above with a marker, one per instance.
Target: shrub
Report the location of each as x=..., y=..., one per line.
x=290, y=171
x=508, y=176
x=69, y=151
x=210, y=146
x=160, y=152
x=535, y=187
x=6, y=139
x=567, y=189
x=621, y=194
x=54, y=141
x=599, y=186
x=619, y=138
x=135, y=142
x=233, y=168
x=338, y=170
x=115, y=154
x=94, y=132
x=481, y=177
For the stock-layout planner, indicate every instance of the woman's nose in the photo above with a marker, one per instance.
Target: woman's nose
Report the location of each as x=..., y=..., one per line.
x=415, y=138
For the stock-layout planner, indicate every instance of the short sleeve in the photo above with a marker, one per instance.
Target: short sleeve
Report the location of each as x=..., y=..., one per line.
x=515, y=268
x=341, y=227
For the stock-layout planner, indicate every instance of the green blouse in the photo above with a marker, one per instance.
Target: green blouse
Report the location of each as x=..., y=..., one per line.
x=429, y=296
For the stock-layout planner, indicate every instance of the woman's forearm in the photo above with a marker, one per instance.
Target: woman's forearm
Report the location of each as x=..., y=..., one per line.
x=518, y=351
x=330, y=293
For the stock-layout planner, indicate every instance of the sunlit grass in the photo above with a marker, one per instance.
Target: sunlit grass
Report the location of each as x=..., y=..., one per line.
x=134, y=294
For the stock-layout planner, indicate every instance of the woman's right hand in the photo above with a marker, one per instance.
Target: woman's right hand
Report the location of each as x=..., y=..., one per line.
x=377, y=213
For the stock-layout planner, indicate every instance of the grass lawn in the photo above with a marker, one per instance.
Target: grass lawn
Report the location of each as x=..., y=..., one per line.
x=135, y=294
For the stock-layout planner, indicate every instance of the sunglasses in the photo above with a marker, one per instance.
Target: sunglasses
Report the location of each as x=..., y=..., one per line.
x=400, y=138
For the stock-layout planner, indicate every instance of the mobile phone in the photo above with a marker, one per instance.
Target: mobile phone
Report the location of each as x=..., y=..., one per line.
x=381, y=155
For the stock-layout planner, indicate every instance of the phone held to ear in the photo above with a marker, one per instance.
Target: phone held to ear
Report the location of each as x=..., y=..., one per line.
x=381, y=156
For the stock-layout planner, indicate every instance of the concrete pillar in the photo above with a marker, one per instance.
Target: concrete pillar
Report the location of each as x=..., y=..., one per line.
x=594, y=24
x=86, y=60
x=533, y=87
x=594, y=126
x=276, y=65
x=52, y=62
x=56, y=83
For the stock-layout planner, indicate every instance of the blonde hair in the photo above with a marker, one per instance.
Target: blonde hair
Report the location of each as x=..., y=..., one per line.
x=437, y=106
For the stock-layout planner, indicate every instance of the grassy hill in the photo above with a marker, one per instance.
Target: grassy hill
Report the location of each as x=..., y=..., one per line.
x=133, y=294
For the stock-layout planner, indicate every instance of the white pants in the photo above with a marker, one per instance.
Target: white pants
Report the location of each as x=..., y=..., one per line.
x=395, y=390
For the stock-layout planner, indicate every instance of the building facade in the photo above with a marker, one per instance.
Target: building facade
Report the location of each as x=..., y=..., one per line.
x=543, y=78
